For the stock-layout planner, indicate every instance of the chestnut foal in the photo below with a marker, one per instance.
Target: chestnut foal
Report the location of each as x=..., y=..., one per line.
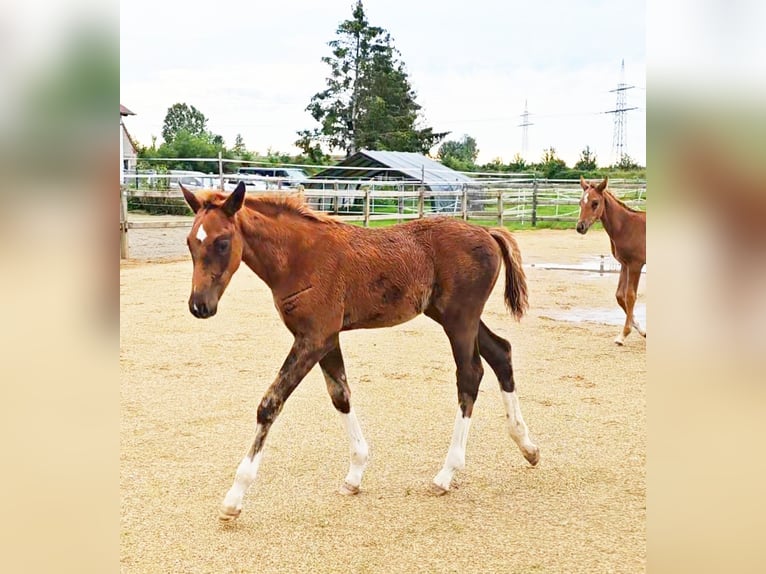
x=327, y=277
x=626, y=228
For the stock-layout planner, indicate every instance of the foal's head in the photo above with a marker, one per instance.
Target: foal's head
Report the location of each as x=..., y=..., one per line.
x=216, y=248
x=591, y=204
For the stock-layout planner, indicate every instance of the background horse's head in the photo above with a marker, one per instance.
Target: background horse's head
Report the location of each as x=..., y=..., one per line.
x=216, y=248
x=591, y=204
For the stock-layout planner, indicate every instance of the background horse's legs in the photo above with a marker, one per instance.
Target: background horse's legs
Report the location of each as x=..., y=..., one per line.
x=634, y=278
x=335, y=376
x=497, y=352
x=301, y=358
x=622, y=299
x=463, y=336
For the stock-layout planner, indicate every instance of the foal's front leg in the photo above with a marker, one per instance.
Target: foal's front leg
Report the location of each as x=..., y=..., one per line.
x=302, y=357
x=622, y=299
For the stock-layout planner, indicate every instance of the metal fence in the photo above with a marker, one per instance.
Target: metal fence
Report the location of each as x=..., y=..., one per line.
x=491, y=198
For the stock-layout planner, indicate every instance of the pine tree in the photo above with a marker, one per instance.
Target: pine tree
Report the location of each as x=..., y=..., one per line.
x=369, y=102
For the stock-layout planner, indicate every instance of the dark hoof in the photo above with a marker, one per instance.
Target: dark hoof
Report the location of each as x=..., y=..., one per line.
x=347, y=489
x=437, y=490
x=228, y=514
x=533, y=457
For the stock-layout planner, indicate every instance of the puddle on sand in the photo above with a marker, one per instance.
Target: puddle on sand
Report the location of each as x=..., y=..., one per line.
x=598, y=264
x=606, y=316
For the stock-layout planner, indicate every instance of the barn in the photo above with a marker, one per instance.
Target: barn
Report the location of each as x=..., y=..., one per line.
x=407, y=169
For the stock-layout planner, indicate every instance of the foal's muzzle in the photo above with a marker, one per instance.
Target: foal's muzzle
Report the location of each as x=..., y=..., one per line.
x=200, y=308
x=582, y=227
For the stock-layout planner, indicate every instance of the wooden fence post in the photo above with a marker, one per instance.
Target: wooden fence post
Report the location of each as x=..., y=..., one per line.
x=500, y=207
x=534, y=203
x=421, y=193
x=220, y=169
x=335, y=198
x=367, y=207
x=464, y=203
x=124, y=253
x=400, y=202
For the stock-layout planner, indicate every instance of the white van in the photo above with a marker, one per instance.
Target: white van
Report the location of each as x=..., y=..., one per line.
x=191, y=179
x=276, y=177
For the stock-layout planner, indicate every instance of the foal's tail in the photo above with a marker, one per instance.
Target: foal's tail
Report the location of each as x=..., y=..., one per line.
x=515, y=279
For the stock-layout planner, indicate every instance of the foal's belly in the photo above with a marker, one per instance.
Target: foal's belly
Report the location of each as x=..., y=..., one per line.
x=385, y=308
x=377, y=320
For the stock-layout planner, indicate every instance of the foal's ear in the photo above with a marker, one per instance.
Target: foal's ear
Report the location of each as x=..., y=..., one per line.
x=191, y=199
x=584, y=183
x=602, y=186
x=235, y=200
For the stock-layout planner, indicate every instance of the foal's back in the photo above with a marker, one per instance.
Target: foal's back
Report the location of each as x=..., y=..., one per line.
x=393, y=274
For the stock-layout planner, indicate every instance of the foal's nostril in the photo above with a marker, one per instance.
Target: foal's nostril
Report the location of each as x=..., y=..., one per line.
x=201, y=310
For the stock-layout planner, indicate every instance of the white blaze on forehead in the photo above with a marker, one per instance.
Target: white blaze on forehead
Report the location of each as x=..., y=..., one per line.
x=201, y=233
x=584, y=199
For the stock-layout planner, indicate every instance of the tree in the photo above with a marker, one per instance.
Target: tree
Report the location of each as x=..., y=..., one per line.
x=239, y=145
x=587, y=161
x=552, y=165
x=464, y=151
x=368, y=102
x=186, y=145
x=518, y=164
x=627, y=163
x=239, y=151
x=183, y=117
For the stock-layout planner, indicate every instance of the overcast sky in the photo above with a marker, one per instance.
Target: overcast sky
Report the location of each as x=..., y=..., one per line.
x=252, y=67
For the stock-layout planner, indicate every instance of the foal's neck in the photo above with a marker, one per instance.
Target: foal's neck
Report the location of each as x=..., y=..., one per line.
x=614, y=216
x=270, y=244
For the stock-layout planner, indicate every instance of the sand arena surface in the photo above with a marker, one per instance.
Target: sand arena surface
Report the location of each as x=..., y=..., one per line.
x=190, y=388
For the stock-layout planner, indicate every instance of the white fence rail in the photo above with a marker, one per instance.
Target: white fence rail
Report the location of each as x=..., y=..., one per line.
x=495, y=200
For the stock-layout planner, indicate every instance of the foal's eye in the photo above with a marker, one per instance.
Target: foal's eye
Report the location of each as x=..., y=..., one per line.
x=222, y=246
x=594, y=204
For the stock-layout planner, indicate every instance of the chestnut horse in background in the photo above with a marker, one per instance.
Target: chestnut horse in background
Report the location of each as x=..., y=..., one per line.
x=626, y=228
x=327, y=276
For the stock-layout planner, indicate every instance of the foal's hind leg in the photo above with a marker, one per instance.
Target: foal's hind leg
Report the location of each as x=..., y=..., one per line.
x=337, y=385
x=465, y=349
x=632, y=290
x=497, y=352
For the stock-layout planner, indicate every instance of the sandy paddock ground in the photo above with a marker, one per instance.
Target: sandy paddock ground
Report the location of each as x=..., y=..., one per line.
x=189, y=390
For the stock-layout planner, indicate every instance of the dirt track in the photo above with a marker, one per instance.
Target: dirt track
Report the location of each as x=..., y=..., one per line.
x=189, y=390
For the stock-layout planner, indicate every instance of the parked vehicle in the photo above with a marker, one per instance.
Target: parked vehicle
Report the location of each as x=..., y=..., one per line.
x=191, y=179
x=276, y=177
x=251, y=184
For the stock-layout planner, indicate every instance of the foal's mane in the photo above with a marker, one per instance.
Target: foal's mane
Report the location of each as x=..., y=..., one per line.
x=273, y=204
x=270, y=205
x=622, y=203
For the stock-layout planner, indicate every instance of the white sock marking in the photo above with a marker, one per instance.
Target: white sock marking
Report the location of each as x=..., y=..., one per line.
x=201, y=234
x=357, y=446
x=517, y=428
x=245, y=476
x=456, y=454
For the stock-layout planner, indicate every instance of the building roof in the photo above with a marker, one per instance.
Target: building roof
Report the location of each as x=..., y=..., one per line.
x=125, y=111
x=394, y=166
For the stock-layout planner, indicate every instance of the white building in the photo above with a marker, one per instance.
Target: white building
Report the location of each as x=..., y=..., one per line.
x=128, y=149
